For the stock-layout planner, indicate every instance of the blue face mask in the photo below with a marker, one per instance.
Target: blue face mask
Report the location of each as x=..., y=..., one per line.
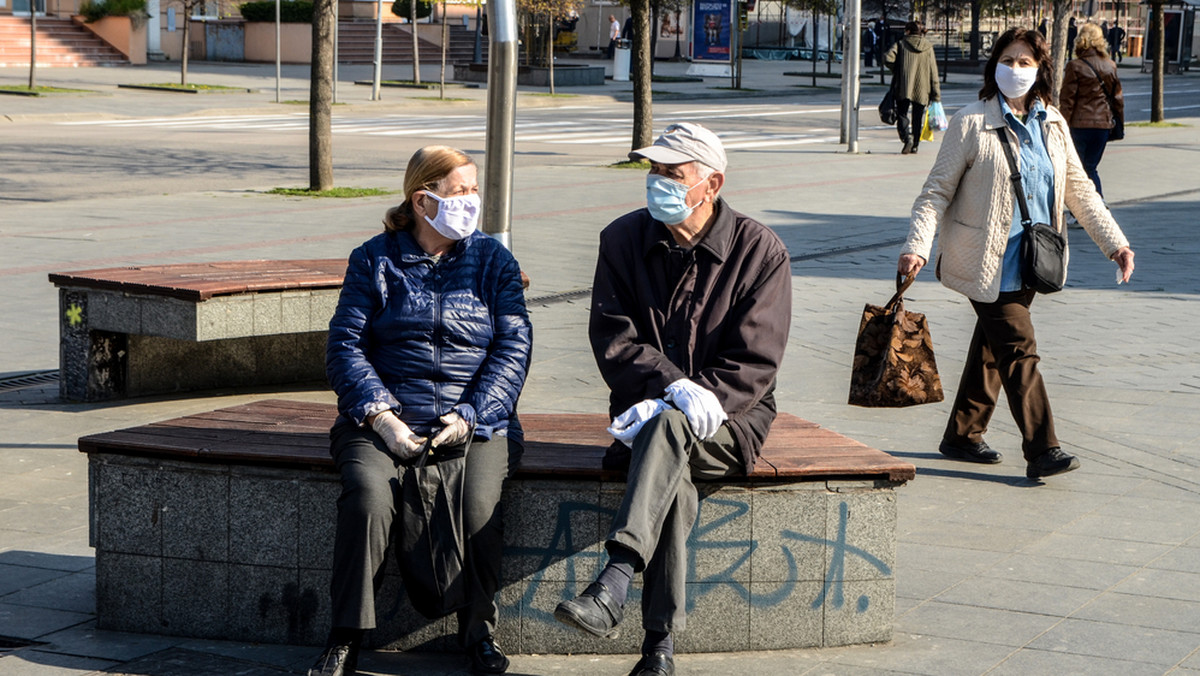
x=667, y=199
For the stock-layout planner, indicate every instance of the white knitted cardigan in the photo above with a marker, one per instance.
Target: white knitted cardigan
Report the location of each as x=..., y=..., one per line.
x=970, y=196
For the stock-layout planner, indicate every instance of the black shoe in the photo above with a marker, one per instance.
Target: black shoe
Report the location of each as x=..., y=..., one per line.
x=907, y=149
x=487, y=657
x=913, y=151
x=971, y=452
x=594, y=611
x=656, y=664
x=340, y=660
x=1052, y=462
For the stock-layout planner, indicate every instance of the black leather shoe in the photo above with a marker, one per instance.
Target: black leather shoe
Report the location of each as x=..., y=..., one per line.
x=655, y=664
x=1052, y=462
x=340, y=660
x=487, y=657
x=907, y=149
x=971, y=452
x=594, y=611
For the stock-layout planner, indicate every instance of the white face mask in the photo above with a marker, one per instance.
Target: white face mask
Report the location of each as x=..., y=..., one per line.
x=1015, y=83
x=456, y=216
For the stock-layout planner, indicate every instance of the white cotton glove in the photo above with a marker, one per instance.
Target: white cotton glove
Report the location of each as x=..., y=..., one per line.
x=627, y=425
x=455, y=432
x=699, y=404
x=397, y=435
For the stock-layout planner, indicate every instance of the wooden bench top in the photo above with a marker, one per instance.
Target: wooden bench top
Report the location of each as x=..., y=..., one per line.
x=557, y=445
x=201, y=281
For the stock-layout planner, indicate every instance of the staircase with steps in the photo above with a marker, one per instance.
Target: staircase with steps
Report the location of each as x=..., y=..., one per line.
x=356, y=44
x=60, y=44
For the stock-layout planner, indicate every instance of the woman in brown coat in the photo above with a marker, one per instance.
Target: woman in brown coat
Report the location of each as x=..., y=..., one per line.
x=915, y=77
x=1083, y=101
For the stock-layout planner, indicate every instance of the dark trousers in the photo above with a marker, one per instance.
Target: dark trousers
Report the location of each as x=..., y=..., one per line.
x=1090, y=144
x=367, y=508
x=660, y=505
x=1003, y=353
x=909, y=128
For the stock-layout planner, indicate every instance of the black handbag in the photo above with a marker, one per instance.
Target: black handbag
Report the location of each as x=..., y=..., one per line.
x=1043, y=249
x=1117, y=132
x=887, y=107
x=430, y=542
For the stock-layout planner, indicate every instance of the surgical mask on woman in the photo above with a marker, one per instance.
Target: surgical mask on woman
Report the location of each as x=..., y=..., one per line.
x=456, y=216
x=667, y=199
x=1015, y=83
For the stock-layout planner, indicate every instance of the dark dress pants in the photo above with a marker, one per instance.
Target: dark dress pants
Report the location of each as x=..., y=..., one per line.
x=909, y=128
x=660, y=506
x=367, y=508
x=1003, y=354
x=1090, y=144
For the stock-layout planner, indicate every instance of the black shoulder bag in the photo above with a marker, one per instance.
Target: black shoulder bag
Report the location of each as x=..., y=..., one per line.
x=887, y=107
x=1043, y=249
x=1118, y=129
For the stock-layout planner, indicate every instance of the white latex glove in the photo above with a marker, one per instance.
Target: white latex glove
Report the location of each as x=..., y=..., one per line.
x=455, y=432
x=627, y=425
x=699, y=404
x=397, y=435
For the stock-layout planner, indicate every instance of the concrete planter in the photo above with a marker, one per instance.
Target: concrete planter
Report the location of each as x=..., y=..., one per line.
x=125, y=35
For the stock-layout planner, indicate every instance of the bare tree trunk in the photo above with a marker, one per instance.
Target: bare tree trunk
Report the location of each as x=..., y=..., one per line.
x=1058, y=51
x=1158, y=50
x=320, y=97
x=412, y=22
x=976, y=9
x=643, y=112
x=187, y=25
x=445, y=40
x=550, y=48
x=32, y=44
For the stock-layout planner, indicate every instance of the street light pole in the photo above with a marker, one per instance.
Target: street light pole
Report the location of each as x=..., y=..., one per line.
x=501, y=122
x=278, y=53
x=378, y=53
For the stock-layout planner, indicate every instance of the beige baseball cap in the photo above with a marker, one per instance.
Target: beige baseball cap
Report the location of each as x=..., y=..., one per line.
x=685, y=142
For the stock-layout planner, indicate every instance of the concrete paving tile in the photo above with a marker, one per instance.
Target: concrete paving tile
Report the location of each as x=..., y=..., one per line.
x=1139, y=529
x=75, y=592
x=283, y=656
x=1143, y=611
x=1099, y=549
x=34, y=662
x=32, y=623
x=971, y=623
x=15, y=578
x=46, y=518
x=1056, y=570
x=1028, y=662
x=995, y=539
x=180, y=662
x=1115, y=641
x=929, y=655
x=87, y=640
x=1020, y=596
x=1185, y=559
x=1168, y=584
x=1192, y=662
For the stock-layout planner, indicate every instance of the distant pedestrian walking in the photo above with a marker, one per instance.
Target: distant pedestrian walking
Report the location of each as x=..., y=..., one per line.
x=868, y=45
x=915, y=76
x=970, y=198
x=614, y=34
x=1090, y=83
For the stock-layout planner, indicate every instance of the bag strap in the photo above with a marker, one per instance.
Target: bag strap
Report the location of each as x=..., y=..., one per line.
x=1108, y=97
x=902, y=284
x=1026, y=221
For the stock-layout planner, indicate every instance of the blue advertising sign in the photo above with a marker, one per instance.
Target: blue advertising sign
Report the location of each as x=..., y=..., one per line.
x=712, y=22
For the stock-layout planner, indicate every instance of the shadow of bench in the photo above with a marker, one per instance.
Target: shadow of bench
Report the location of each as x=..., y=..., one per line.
x=220, y=525
x=173, y=328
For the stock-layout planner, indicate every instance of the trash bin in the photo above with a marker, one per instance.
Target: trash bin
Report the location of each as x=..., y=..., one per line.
x=621, y=61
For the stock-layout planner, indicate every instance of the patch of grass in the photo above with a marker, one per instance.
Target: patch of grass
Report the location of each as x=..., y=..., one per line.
x=1156, y=124
x=437, y=98
x=555, y=95
x=676, y=78
x=631, y=164
x=191, y=88
x=737, y=89
x=37, y=91
x=332, y=192
x=301, y=102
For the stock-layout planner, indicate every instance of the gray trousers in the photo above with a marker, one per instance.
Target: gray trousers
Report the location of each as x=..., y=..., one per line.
x=367, y=507
x=660, y=505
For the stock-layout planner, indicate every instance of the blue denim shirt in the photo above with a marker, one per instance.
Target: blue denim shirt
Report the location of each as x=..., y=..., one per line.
x=1037, y=177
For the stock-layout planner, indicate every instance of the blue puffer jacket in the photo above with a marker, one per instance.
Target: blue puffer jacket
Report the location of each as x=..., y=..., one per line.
x=423, y=337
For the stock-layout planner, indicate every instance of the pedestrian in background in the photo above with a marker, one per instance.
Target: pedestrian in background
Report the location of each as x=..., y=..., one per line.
x=1088, y=82
x=970, y=199
x=868, y=45
x=915, y=76
x=614, y=34
x=1116, y=35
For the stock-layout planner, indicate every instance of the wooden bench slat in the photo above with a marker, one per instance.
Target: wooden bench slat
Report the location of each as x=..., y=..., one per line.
x=557, y=445
x=201, y=281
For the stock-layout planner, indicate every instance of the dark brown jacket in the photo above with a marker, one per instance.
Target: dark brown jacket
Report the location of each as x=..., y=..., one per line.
x=724, y=325
x=1082, y=101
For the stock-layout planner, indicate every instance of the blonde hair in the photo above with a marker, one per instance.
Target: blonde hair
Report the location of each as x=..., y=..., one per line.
x=427, y=168
x=1091, y=37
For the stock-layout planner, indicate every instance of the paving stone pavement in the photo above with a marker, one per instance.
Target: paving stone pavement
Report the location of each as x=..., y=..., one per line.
x=1094, y=572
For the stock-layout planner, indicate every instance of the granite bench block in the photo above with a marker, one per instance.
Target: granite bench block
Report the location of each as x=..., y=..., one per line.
x=788, y=532
x=195, y=513
x=268, y=602
x=264, y=521
x=126, y=512
x=268, y=314
x=718, y=618
x=552, y=529
x=541, y=633
x=166, y=317
x=317, y=517
x=400, y=627
x=781, y=616
x=129, y=592
x=861, y=613
x=195, y=598
x=113, y=311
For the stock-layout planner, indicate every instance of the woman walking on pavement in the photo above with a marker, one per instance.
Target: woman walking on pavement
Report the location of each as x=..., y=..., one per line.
x=915, y=77
x=969, y=196
x=1089, y=84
